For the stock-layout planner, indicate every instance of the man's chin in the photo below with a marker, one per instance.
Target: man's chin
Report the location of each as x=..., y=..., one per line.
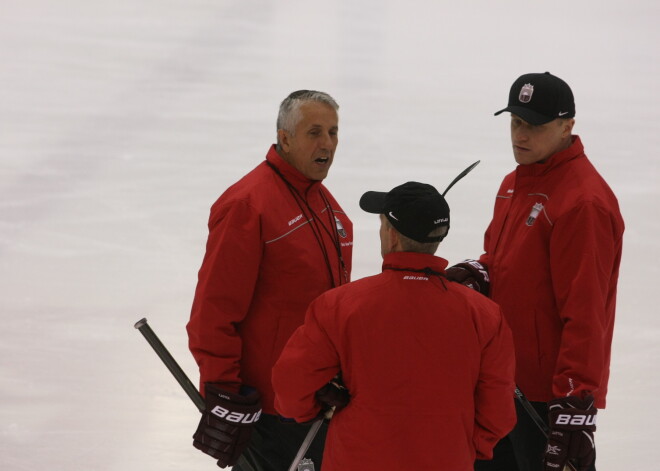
x=318, y=174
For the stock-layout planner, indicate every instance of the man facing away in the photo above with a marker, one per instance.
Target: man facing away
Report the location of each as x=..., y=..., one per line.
x=551, y=261
x=428, y=364
x=277, y=240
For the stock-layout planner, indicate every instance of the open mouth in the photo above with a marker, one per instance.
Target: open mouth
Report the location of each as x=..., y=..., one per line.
x=322, y=160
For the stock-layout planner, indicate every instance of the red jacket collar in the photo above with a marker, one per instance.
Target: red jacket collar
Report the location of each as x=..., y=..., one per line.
x=575, y=150
x=292, y=175
x=414, y=261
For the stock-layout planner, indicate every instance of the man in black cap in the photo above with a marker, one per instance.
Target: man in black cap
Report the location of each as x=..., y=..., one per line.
x=551, y=261
x=428, y=363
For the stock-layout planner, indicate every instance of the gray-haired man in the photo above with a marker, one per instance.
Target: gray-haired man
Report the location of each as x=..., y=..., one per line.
x=277, y=240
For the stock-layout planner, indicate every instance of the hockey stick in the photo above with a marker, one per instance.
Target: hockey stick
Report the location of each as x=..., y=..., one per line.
x=529, y=408
x=540, y=423
x=461, y=175
x=309, y=438
x=196, y=397
x=171, y=363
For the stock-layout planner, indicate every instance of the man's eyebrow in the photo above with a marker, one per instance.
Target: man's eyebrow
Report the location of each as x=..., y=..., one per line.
x=314, y=125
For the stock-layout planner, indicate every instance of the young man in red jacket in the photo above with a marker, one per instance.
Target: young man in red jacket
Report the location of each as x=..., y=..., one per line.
x=552, y=253
x=277, y=240
x=428, y=364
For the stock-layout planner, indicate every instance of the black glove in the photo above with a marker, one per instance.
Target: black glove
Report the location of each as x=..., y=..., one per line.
x=470, y=273
x=571, y=436
x=226, y=425
x=334, y=394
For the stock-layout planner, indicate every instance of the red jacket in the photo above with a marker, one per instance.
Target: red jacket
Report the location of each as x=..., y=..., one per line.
x=554, y=272
x=428, y=363
x=267, y=257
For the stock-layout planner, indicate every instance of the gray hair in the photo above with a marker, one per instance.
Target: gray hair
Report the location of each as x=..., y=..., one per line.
x=289, y=114
x=410, y=245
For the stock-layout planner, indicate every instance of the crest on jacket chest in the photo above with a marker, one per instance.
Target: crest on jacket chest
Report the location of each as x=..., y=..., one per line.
x=534, y=213
x=340, y=228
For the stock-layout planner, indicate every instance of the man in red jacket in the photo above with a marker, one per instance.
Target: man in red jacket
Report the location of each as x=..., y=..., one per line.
x=277, y=240
x=428, y=364
x=552, y=253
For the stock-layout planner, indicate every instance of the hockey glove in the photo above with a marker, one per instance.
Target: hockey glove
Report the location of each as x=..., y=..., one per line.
x=571, y=436
x=470, y=273
x=226, y=425
x=333, y=394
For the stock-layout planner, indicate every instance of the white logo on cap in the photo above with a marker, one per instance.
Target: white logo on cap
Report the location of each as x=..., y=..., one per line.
x=393, y=216
x=562, y=113
x=526, y=92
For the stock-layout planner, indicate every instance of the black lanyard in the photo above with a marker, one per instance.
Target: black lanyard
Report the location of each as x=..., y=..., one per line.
x=316, y=225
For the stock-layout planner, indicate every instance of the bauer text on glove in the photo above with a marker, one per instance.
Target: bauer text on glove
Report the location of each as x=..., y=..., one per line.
x=226, y=425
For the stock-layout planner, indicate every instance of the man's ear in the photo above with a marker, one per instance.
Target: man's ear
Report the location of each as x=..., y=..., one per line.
x=567, y=127
x=283, y=140
x=395, y=239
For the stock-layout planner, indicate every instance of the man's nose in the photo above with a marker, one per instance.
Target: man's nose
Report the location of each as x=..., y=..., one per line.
x=519, y=135
x=327, y=142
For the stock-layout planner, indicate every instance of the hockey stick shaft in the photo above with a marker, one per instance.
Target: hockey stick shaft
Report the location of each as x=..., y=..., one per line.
x=171, y=363
x=306, y=443
x=183, y=380
x=310, y=438
x=540, y=423
x=529, y=408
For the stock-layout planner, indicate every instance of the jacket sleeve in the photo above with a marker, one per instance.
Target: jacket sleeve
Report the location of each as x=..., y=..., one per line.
x=484, y=259
x=502, y=202
x=495, y=413
x=224, y=291
x=584, y=251
x=307, y=363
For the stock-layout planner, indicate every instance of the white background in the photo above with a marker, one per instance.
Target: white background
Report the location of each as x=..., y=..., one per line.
x=121, y=121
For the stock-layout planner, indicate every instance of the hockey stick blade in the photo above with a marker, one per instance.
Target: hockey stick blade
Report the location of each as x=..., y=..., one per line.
x=461, y=175
x=171, y=363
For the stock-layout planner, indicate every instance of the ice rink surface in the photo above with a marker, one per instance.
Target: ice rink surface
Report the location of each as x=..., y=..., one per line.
x=122, y=121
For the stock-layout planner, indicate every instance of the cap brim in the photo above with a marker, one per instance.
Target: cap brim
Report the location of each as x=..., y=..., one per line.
x=373, y=202
x=532, y=117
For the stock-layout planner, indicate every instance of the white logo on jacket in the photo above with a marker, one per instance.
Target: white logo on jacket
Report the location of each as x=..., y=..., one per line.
x=295, y=220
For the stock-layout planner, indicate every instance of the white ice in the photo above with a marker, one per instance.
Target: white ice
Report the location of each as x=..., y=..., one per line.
x=121, y=121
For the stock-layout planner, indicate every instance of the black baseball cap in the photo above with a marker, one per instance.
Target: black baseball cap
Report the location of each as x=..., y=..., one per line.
x=540, y=98
x=414, y=209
